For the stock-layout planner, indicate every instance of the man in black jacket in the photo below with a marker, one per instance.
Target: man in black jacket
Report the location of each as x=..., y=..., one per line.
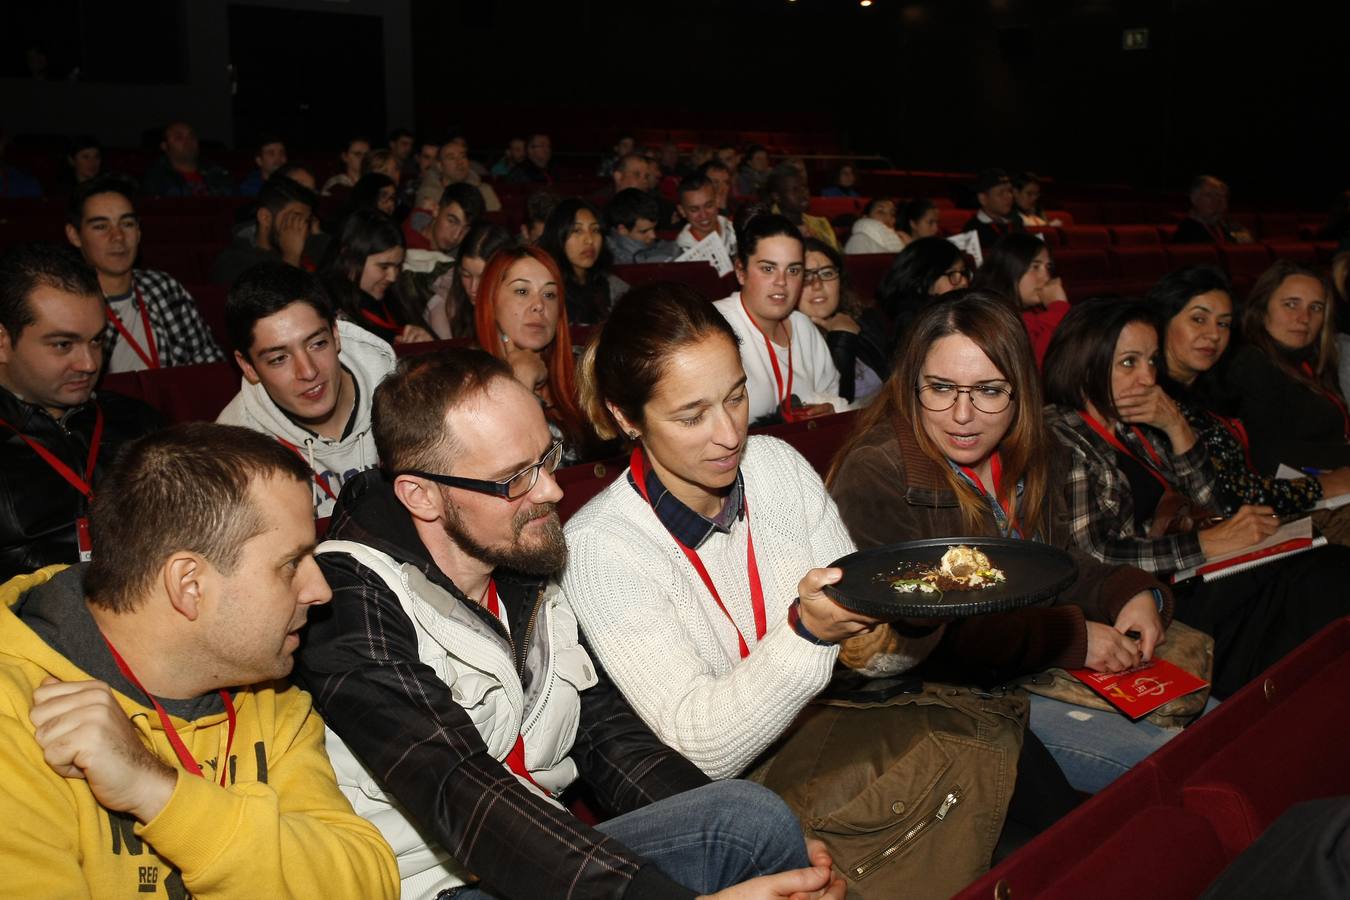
x=462, y=704
x=56, y=438
x=995, y=217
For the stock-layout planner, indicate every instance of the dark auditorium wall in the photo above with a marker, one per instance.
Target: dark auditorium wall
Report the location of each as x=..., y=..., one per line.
x=1251, y=90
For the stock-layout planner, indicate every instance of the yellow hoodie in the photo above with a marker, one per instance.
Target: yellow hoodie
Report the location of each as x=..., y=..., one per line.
x=280, y=828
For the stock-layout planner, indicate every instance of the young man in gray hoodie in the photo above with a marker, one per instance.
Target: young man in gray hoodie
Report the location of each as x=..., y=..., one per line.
x=308, y=378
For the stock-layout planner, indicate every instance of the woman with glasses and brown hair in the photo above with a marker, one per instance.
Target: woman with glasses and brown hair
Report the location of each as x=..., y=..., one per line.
x=926, y=269
x=1019, y=269
x=955, y=445
x=857, y=341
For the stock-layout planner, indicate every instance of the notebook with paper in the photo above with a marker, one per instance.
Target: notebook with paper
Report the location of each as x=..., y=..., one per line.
x=1290, y=538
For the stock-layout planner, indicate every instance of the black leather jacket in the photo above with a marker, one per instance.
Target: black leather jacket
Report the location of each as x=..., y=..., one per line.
x=38, y=507
x=359, y=659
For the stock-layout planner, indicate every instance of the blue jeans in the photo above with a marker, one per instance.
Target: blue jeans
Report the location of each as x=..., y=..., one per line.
x=709, y=838
x=1095, y=746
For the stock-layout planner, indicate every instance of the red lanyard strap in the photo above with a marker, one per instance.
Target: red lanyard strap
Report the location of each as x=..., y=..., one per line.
x=515, y=760
x=179, y=748
x=752, y=566
x=1105, y=434
x=386, y=321
x=150, y=358
x=84, y=485
x=996, y=474
x=1330, y=395
x=317, y=480
x=783, y=395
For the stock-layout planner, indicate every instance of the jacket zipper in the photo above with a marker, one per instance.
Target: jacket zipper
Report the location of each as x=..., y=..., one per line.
x=529, y=632
x=937, y=814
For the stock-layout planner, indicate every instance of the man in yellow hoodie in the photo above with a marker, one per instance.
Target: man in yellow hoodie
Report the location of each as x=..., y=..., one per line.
x=147, y=742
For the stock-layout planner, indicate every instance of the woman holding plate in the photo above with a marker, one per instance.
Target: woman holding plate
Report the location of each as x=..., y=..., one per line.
x=698, y=578
x=955, y=445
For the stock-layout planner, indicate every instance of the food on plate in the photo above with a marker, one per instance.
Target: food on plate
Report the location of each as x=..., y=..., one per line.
x=961, y=568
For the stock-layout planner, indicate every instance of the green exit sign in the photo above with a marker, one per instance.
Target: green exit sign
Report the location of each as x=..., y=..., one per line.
x=1134, y=39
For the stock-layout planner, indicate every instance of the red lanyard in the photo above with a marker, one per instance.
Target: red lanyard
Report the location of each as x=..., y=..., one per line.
x=996, y=474
x=151, y=359
x=756, y=587
x=83, y=485
x=1105, y=434
x=386, y=321
x=783, y=395
x=317, y=480
x=179, y=748
x=1331, y=395
x=515, y=760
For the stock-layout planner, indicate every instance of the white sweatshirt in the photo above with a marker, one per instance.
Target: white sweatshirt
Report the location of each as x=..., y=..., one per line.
x=814, y=377
x=873, y=236
x=655, y=628
x=369, y=359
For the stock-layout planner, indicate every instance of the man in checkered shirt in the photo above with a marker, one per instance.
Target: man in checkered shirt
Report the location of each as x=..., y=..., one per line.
x=153, y=321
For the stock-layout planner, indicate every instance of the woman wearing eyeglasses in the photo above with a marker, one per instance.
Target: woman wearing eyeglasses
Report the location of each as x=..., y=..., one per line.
x=856, y=342
x=1019, y=268
x=955, y=445
x=927, y=268
x=790, y=373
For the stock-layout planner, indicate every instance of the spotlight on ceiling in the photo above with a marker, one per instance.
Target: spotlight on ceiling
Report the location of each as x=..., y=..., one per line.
x=864, y=2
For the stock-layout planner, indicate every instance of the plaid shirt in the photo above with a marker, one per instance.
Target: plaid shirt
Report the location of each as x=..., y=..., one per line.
x=1101, y=506
x=181, y=337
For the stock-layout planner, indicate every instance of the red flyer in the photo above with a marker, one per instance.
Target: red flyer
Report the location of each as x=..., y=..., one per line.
x=1139, y=691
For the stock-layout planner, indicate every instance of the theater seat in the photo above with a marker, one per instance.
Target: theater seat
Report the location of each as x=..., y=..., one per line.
x=210, y=300
x=1078, y=237
x=1279, y=226
x=1299, y=251
x=815, y=439
x=834, y=207
x=1245, y=263
x=1048, y=233
x=1135, y=235
x=421, y=347
x=182, y=393
x=865, y=271
x=1138, y=268
x=580, y=483
x=1085, y=272
x=1179, y=255
x=698, y=275
x=951, y=221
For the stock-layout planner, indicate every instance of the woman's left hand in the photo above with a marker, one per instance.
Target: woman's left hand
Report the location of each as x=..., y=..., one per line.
x=1052, y=292
x=413, y=334
x=1140, y=615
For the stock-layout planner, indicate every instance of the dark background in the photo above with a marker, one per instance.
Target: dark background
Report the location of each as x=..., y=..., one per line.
x=1250, y=91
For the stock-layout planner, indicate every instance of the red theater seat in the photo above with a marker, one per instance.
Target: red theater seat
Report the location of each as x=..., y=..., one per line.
x=1064, y=216
x=582, y=482
x=1279, y=226
x=1048, y=233
x=698, y=275
x=865, y=271
x=1085, y=236
x=951, y=221
x=421, y=347
x=816, y=439
x=1085, y=272
x=1135, y=235
x=1179, y=255
x=211, y=304
x=182, y=393
x=1299, y=251
x=1138, y=268
x=834, y=207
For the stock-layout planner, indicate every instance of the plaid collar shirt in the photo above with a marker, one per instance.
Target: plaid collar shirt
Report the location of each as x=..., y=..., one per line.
x=182, y=337
x=688, y=527
x=1101, y=507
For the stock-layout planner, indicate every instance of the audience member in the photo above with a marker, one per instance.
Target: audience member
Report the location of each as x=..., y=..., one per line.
x=353, y=154
x=874, y=231
x=996, y=216
x=1195, y=306
x=926, y=269
x=1283, y=382
x=857, y=346
x=536, y=167
x=1018, y=269
x=630, y=220
x=84, y=160
x=400, y=146
x=730, y=156
x=513, y=156
x=576, y=241
x=374, y=191
x=698, y=206
x=520, y=311
x=360, y=273
x=718, y=173
x=449, y=309
x=538, y=207
x=917, y=219
x=1138, y=486
x=752, y=179
x=790, y=197
x=722, y=657
x=301, y=175
x=467, y=784
x=58, y=438
x=308, y=378
x=179, y=172
x=955, y=444
x=270, y=157
x=622, y=147
x=147, y=715
x=152, y=320
x=788, y=369
x=456, y=168
x=844, y=185
x=382, y=162
x=631, y=171
x=1207, y=219
x=1027, y=200
x=284, y=217
x=429, y=264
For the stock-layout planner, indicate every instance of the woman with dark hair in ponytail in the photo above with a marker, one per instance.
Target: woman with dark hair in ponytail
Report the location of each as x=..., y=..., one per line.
x=360, y=271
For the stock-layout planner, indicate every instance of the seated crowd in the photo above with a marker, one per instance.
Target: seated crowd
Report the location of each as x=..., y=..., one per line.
x=468, y=680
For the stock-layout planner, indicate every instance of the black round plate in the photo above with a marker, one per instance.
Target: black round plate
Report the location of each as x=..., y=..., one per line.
x=1034, y=571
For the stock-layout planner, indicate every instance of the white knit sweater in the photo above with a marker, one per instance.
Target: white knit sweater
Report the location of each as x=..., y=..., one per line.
x=814, y=376
x=656, y=629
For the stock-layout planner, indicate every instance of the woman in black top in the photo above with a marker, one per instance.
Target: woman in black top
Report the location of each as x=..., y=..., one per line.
x=360, y=271
x=857, y=343
x=575, y=239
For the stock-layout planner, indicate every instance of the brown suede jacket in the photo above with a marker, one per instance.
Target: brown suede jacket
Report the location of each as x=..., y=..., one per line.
x=888, y=491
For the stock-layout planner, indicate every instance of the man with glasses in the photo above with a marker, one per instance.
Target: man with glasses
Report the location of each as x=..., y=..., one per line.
x=459, y=699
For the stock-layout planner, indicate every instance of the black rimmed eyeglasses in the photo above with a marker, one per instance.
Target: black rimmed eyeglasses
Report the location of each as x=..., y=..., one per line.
x=513, y=488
